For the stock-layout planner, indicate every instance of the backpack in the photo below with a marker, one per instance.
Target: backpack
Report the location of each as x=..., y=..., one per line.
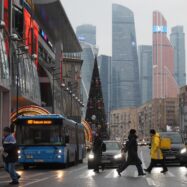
x=165, y=143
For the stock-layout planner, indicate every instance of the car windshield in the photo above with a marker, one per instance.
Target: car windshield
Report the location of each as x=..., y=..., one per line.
x=39, y=135
x=175, y=137
x=112, y=146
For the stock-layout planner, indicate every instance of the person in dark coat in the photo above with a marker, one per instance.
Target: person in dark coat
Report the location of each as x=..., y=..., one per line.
x=97, y=150
x=10, y=155
x=133, y=159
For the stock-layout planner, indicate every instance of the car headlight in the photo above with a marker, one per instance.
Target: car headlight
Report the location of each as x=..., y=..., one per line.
x=118, y=156
x=184, y=150
x=91, y=156
x=19, y=151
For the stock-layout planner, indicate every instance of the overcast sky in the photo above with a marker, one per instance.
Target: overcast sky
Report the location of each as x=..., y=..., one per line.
x=99, y=13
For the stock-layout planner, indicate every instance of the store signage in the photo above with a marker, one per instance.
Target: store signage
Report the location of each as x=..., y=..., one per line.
x=159, y=29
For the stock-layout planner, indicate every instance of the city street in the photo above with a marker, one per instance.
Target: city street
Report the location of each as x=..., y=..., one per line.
x=79, y=176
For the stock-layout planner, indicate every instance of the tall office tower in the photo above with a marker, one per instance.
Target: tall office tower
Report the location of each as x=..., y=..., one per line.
x=88, y=56
x=86, y=33
x=104, y=63
x=164, y=83
x=145, y=65
x=125, y=73
x=177, y=39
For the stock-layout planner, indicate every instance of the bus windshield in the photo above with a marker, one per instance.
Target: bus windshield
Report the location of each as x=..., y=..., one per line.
x=39, y=135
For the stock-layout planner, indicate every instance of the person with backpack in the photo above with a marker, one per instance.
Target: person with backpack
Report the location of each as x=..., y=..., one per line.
x=133, y=158
x=156, y=153
x=97, y=150
x=10, y=155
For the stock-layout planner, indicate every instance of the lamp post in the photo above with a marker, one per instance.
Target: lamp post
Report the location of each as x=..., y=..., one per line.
x=53, y=90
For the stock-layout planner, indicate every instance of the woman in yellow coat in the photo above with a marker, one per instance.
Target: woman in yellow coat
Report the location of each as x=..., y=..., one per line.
x=156, y=153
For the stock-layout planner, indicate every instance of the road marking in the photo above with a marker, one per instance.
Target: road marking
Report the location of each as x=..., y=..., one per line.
x=169, y=174
x=142, y=158
x=111, y=174
x=87, y=174
x=150, y=182
x=37, y=181
x=75, y=170
x=31, y=176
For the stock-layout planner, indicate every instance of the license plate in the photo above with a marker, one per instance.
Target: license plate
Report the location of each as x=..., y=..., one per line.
x=170, y=157
x=105, y=161
x=38, y=160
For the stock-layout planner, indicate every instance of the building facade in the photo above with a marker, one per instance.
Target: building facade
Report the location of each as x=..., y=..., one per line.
x=86, y=33
x=164, y=83
x=183, y=110
x=145, y=66
x=177, y=39
x=125, y=73
x=121, y=121
x=38, y=61
x=159, y=114
x=104, y=63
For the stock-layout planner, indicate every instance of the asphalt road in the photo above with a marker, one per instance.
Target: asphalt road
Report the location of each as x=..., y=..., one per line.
x=80, y=176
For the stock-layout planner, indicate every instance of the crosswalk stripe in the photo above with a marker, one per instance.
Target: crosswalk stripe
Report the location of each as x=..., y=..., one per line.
x=112, y=174
x=169, y=174
x=150, y=182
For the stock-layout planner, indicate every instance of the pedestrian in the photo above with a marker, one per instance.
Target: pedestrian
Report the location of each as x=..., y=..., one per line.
x=156, y=153
x=10, y=155
x=133, y=159
x=97, y=150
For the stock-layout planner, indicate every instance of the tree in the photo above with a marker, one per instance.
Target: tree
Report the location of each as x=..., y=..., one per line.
x=95, y=114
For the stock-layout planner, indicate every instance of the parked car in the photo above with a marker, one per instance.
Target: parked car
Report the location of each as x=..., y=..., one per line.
x=178, y=151
x=112, y=157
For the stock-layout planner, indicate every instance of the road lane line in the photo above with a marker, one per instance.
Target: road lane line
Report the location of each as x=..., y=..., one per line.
x=75, y=170
x=150, y=182
x=31, y=176
x=110, y=174
x=142, y=158
x=169, y=174
x=37, y=181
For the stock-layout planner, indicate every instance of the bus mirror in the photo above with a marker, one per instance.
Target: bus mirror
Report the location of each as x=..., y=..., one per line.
x=67, y=139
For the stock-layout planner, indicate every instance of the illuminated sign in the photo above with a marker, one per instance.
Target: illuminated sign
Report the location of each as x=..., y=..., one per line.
x=159, y=29
x=44, y=36
x=39, y=122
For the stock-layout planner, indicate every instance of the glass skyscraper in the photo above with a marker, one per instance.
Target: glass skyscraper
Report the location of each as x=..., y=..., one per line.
x=86, y=33
x=177, y=39
x=125, y=73
x=164, y=83
x=88, y=56
x=104, y=63
x=145, y=65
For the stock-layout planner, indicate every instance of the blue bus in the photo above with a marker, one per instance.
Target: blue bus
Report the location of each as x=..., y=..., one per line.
x=49, y=139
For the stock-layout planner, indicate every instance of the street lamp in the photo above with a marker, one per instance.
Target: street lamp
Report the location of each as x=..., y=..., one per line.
x=53, y=89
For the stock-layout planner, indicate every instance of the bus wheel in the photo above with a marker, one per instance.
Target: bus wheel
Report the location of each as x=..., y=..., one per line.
x=25, y=166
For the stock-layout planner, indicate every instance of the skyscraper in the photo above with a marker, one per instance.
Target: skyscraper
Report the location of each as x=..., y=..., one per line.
x=88, y=56
x=164, y=83
x=145, y=65
x=177, y=39
x=87, y=33
x=104, y=63
x=125, y=74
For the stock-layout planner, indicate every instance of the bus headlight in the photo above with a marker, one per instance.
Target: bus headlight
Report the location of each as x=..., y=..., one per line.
x=59, y=156
x=19, y=157
x=118, y=156
x=183, y=151
x=91, y=156
x=19, y=151
x=59, y=151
